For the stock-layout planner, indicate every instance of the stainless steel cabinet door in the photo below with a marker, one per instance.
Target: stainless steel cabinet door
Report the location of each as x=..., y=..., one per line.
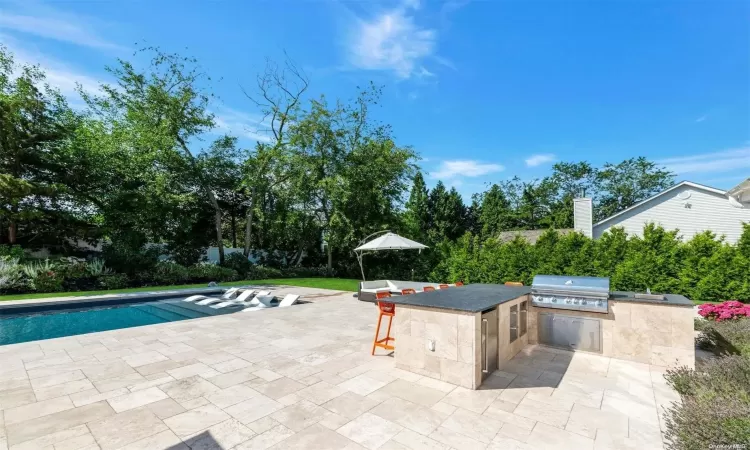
x=489, y=325
x=574, y=333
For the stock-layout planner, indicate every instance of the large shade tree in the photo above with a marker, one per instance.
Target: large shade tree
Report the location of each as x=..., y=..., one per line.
x=268, y=168
x=164, y=110
x=353, y=174
x=38, y=176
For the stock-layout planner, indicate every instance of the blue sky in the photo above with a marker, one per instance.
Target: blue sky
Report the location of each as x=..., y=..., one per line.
x=483, y=90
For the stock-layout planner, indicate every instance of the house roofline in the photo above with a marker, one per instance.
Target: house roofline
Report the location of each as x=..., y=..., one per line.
x=743, y=186
x=680, y=184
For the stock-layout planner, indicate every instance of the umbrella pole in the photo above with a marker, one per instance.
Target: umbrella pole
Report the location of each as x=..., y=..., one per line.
x=362, y=269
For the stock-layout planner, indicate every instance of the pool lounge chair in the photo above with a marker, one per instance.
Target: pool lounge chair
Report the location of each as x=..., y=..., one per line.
x=212, y=300
x=263, y=298
x=226, y=296
x=242, y=299
x=288, y=300
x=261, y=302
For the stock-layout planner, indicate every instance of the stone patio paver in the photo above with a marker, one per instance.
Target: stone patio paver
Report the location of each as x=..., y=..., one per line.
x=136, y=399
x=350, y=405
x=224, y=435
x=267, y=439
x=303, y=377
x=47, y=441
x=456, y=440
x=38, y=409
x=122, y=429
x=370, y=431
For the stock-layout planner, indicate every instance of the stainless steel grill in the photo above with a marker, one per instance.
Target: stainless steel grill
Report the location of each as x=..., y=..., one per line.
x=574, y=293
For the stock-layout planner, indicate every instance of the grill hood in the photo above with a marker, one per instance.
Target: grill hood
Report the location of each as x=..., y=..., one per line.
x=592, y=287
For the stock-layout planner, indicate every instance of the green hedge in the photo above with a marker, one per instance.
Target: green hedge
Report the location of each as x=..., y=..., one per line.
x=73, y=275
x=704, y=268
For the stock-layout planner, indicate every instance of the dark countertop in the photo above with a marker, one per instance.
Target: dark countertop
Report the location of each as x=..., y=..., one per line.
x=470, y=298
x=480, y=297
x=670, y=299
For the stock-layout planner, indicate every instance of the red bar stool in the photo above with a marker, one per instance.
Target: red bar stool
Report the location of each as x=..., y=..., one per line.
x=408, y=291
x=386, y=309
x=443, y=286
x=513, y=283
x=459, y=283
x=428, y=289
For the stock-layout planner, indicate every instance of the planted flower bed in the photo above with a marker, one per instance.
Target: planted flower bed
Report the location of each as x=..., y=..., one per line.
x=715, y=398
x=725, y=311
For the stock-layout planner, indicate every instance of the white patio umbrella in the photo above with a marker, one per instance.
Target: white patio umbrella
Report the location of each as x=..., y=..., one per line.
x=388, y=241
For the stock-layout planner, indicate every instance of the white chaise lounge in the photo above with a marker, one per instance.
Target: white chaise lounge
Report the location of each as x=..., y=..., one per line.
x=242, y=299
x=226, y=296
x=213, y=300
x=289, y=300
x=264, y=303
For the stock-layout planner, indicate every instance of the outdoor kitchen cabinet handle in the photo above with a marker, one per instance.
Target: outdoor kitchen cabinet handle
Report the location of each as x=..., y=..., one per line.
x=485, y=361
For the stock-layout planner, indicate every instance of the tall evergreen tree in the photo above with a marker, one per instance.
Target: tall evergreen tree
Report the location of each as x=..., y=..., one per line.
x=35, y=125
x=447, y=213
x=495, y=215
x=473, y=214
x=417, y=214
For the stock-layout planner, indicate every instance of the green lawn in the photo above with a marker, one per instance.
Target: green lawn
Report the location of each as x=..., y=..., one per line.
x=339, y=284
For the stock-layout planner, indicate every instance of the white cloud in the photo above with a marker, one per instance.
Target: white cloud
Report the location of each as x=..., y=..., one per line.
x=392, y=41
x=50, y=23
x=414, y=4
x=445, y=62
x=241, y=124
x=723, y=161
x=538, y=160
x=701, y=118
x=450, y=170
x=59, y=74
x=44, y=21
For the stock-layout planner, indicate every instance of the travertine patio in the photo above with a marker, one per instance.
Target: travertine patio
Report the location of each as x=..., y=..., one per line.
x=303, y=378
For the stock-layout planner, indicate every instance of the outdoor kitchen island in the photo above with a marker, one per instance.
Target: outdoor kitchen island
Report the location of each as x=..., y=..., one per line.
x=462, y=334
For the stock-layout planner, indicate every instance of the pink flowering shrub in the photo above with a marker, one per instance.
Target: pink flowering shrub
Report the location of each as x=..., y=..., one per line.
x=725, y=311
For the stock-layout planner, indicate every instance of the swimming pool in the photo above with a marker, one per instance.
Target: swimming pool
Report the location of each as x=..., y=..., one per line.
x=26, y=323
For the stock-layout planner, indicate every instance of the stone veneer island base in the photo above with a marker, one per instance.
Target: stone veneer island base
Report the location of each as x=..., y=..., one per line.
x=440, y=334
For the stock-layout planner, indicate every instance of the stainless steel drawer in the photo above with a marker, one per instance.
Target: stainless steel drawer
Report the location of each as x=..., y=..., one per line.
x=570, y=332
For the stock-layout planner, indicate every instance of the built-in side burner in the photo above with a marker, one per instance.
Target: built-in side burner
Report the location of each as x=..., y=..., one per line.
x=569, y=292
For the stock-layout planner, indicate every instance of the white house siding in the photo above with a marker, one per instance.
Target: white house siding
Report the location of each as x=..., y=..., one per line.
x=703, y=210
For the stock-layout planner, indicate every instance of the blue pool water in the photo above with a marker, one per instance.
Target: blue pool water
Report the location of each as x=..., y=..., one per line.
x=79, y=319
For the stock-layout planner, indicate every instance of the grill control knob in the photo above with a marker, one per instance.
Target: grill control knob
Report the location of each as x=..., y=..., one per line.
x=583, y=302
x=567, y=300
x=554, y=300
x=599, y=303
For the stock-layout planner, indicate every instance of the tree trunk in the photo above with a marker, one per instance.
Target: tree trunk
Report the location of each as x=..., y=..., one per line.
x=330, y=256
x=217, y=223
x=211, y=199
x=249, y=223
x=12, y=229
x=234, y=228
